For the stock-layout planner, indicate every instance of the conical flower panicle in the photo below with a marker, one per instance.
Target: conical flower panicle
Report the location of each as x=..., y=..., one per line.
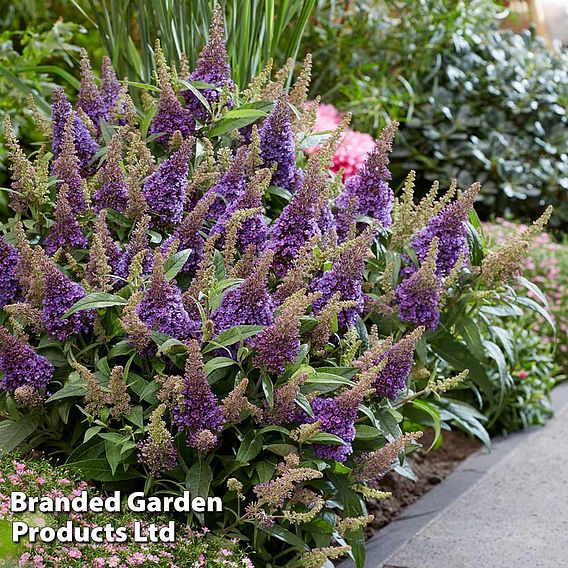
x=197, y=411
x=230, y=186
x=346, y=278
x=171, y=116
x=418, y=296
x=277, y=145
x=188, y=233
x=337, y=416
x=66, y=170
x=23, y=178
x=139, y=241
x=21, y=365
x=158, y=450
x=85, y=146
x=60, y=293
x=372, y=466
x=279, y=343
x=9, y=284
x=449, y=226
x=212, y=67
x=507, y=262
x=111, y=249
x=89, y=98
x=390, y=380
x=248, y=304
x=253, y=231
x=165, y=189
x=110, y=86
x=113, y=192
x=285, y=409
x=297, y=225
x=370, y=184
x=29, y=270
x=65, y=232
x=162, y=307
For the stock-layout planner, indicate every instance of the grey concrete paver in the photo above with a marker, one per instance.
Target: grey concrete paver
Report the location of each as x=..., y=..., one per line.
x=516, y=515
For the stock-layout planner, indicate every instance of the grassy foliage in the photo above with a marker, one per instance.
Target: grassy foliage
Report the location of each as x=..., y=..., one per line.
x=255, y=30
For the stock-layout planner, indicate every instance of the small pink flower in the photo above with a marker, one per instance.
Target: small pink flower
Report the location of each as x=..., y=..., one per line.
x=75, y=553
x=522, y=375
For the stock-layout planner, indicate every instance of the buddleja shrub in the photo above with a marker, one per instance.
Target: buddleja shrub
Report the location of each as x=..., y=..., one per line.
x=189, y=303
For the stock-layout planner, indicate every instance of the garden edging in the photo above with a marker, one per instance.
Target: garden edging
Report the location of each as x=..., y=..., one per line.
x=384, y=545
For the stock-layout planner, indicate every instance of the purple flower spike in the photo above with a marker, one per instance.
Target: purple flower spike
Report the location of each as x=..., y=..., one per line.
x=110, y=87
x=66, y=170
x=212, y=68
x=113, y=193
x=296, y=225
x=254, y=229
x=65, y=233
x=85, y=146
x=21, y=365
x=89, y=98
x=391, y=380
x=162, y=306
x=165, y=189
x=277, y=145
x=248, y=304
x=9, y=285
x=346, y=278
x=230, y=186
x=171, y=116
x=60, y=294
x=198, y=412
x=337, y=416
x=449, y=227
x=188, y=233
x=370, y=184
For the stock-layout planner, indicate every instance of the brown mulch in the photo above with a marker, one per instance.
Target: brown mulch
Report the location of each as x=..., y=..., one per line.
x=430, y=468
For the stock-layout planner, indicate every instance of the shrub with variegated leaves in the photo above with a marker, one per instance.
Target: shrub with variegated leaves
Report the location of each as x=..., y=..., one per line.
x=188, y=301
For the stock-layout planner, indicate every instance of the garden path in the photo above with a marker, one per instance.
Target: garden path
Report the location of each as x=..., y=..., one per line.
x=513, y=513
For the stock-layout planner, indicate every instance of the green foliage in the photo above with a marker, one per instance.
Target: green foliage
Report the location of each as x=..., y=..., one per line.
x=255, y=30
x=477, y=104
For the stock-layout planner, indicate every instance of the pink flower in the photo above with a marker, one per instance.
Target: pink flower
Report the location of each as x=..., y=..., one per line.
x=328, y=118
x=522, y=375
x=40, y=480
x=99, y=562
x=135, y=559
x=75, y=553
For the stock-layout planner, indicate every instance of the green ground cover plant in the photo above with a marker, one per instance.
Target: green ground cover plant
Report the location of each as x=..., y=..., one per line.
x=191, y=302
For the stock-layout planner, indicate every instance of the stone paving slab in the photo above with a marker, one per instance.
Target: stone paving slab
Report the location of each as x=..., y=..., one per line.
x=507, y=508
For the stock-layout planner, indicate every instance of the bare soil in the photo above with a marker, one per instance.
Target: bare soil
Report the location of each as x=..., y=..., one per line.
x=430, y=468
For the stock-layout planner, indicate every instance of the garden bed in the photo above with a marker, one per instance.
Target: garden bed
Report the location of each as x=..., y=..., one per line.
x=430, y=468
